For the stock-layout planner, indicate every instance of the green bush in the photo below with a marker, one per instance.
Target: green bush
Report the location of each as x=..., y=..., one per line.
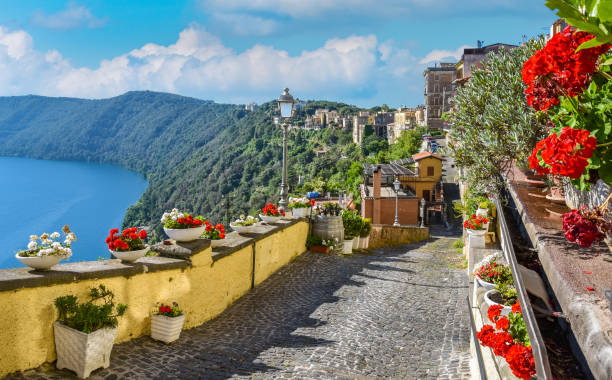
x=366, y=227
x=312, y=241
x=352, y=224
x=88, y=317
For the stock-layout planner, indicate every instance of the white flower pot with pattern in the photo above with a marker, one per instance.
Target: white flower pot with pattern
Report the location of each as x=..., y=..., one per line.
x=364, y=242
x=487, y=298
x=166, y=329
x=482, y=212
x=130, y=256
x=302, y=212
x=484, y=284
x=80, y=352
x=40, y=262
x=270, y=219
x=243, y=229
x=184, y=234
x=356, y=242
x=347, y=247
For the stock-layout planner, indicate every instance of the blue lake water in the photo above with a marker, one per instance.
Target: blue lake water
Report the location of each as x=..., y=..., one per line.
x=39, y=196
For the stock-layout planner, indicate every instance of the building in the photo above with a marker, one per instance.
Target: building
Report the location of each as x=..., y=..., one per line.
x=438, y=90
x=419, y=115
x=557, y=27
x=251, y=106
x=472, y=58
x=403, y=120
x=419, y=176
x=359, y=123
x=380, y=122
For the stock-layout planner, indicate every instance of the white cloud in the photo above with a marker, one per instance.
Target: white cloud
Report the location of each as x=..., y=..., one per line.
x=74, y=16
x=440, y=55
x=241, y=24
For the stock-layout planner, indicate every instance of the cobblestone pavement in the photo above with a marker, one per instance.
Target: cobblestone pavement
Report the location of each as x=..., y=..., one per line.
x=398, y=313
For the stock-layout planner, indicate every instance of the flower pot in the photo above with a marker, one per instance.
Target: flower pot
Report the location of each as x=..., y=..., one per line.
x=184, y=234
x=484, y=284
x=243, y=229
x=130, y=256
x=216, y=242
x=477, y=232
x=270, y=219
x=80, y=352
x=40, y=262
x=364, y=242
x=166, y=329
x=482, y=212
x=487, y=298
x=356, y=241
x=303, y=212
x=319, y=248
x=347, y=247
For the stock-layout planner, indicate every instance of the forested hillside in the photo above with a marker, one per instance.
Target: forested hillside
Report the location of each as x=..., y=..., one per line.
x=191, y=151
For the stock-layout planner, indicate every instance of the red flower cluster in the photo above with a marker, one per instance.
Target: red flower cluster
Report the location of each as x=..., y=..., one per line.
x=557, y=69
x=489, y=272
x=312, y=202
x=271, y=210
x=519, y=357
x=566, y=154
x=129, y=240
x=214, y=232
x=585, y=227
x=189, y=221
x=165, y=309
x=475, y=222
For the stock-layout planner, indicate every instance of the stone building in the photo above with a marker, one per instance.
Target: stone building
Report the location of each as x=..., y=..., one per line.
x=359, y=123
x=403, y=119
x=438, y=91
x=472, y=58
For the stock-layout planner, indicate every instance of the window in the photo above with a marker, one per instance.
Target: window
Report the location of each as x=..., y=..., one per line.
x=430, y=171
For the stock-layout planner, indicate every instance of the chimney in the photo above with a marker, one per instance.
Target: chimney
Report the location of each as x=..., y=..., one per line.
x=377, y=175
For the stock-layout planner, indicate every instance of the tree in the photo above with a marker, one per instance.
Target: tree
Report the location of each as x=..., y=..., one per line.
x=407, y=144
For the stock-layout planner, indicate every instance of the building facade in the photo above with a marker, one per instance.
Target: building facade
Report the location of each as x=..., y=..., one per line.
x=472, y=59
x=438, y=91
x=359, y=123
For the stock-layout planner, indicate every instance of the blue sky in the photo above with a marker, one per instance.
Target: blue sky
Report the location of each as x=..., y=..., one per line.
x=361, y=52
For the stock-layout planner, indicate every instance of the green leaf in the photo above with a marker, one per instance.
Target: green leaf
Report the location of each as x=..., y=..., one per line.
x=583, y=25
x=604, y=10
x=566, y=8
x=590, y=44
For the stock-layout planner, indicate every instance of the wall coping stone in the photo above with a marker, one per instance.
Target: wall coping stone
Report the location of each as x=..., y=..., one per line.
x=181, y=250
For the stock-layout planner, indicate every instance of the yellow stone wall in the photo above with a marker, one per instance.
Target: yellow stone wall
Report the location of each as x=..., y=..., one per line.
x=387, y=236
x=203, y=291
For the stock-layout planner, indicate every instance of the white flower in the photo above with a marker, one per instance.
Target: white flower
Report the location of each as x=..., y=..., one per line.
x=71, y=236
x=67, y=241
x=174, y=217
x=242, y=216
x=56, y=245
x=33, y=245
x=46, y=241
x=33, y=237
x=55, y=235
x=44, y=236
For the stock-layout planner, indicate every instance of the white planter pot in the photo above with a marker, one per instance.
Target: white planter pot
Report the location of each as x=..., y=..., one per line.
x=184, y=234
x=484, y=284
x=40, y=262
x=80, y=352
x=356, y=241
x=477, y=232
x=243, y=229
x=166, y=329
x=216, y=243
x=482, y=212
x=130, y=256
x=364, y=242
x=347, y=247
x=506, y=309
x=270, y=219
x=303, y=212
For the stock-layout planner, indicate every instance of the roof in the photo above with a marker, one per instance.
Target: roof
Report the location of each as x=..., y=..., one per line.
x=403, y=161
x=422, y=155
x=388, y=169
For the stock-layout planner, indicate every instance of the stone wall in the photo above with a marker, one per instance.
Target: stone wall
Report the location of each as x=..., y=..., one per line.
x=202, y=280
x=384, y=236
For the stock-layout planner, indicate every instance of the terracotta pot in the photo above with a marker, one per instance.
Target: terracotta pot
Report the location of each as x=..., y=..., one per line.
x=319, y=248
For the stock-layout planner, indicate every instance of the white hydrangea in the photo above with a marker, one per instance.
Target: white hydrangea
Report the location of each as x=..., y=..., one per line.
x=173, y=215
x=33, y=237
x=55, y=235
x=33, y=245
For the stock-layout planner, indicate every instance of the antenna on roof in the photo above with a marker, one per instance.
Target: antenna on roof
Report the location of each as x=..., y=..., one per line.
x=480, y=43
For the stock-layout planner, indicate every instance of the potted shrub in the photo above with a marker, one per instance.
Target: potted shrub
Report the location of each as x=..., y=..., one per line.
x=364, y=234
x=352, y=227
x=214, y=233
x=46, y=250
x=85, y=332
x=167, y=323
x=476, y=225
x=300, y=207
x=182, y=226
x=129, y=245
x=489, y=275
x=271, y=213
x=244, y=225
x=317, y=244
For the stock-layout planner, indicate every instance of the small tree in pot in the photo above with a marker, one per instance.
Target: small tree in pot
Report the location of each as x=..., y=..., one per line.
x=352, y=228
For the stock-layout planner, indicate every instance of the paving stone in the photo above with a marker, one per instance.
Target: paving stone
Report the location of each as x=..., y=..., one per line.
x=399, y=313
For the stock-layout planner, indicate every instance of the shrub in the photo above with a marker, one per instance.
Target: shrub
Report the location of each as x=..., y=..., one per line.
x=366, y=227
x=352, y=224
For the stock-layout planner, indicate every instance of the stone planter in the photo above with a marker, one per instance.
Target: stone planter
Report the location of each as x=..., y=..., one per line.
x=347, y=247
x=130, y=256
x=243, y=229
x=166, y=329
x=302, y=212
x=478, y=232
x=216, y=242
x=356, y=242
x=482, y=283
x=80, y=352
x=40, y=262
x=482, y=212
x=487, y=298
x=270, y=219
x=184, y=234
x=364, y=242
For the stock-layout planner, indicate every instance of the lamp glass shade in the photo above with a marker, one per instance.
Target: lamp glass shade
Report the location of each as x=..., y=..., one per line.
x=286, y=109
x=396, y=184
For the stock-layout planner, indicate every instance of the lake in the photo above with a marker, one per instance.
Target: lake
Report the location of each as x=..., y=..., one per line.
x=39, y=196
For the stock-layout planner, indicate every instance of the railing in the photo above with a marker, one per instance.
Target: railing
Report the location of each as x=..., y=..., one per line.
x=483, y=375
x=537, y=344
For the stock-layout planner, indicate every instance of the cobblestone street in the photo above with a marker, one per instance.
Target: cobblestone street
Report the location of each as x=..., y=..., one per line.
x=397, y=313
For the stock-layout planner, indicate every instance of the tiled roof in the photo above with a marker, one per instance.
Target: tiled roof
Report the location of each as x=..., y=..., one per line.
x=388, y=169
x=422, y=155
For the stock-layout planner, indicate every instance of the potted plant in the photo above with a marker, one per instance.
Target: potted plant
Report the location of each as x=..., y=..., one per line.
x=483, y=209
x=364, y=234
x=129, y=245
x=214, y=233
x=85, y=332
x=317, y=244
x=244, y=225
x=476, y=225
x=182, y=226
x=504, y=294
x=300, y=207
x=352, y=227
x=489, y=275
x=167, y=323
x=46, y=250
x=271, y=213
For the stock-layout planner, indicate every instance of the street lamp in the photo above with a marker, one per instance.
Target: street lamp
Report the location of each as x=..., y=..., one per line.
x=285, y=106
x=396, y=186
x=422, y=212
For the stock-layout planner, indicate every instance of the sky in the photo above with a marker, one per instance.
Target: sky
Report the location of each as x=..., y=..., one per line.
x=362, y=52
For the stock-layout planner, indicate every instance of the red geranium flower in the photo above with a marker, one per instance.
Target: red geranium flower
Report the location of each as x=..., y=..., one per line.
x=494, y=312
x=516, y=308
x=521, y=362
x=502, y=323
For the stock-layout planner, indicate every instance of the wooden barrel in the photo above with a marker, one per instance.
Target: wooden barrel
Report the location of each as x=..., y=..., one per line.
x=328, y=227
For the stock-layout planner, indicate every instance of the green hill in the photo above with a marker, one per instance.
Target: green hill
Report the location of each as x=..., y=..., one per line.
x=191, y=151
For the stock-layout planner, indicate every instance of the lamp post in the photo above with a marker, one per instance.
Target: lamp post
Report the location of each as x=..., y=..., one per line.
x=285, y=106
x=396, y=186
x=422, y=212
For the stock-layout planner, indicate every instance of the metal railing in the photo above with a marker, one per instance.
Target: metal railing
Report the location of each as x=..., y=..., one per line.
x=538, y=348
x=483, y=375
